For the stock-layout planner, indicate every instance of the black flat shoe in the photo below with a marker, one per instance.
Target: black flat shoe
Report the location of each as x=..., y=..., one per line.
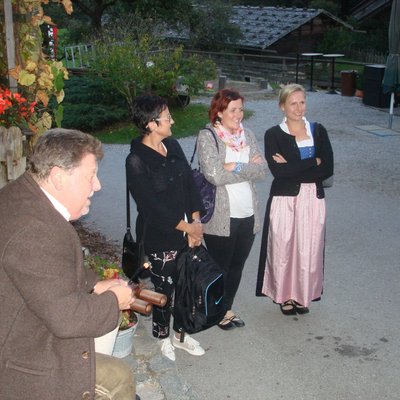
x=301, y=309
x=238, y=322
x=288, y=308
x=226, y=326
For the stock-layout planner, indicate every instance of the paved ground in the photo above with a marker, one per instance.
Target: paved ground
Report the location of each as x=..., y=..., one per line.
x=348, y=347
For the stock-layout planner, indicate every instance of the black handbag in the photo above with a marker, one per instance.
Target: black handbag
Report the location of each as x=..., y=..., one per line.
x=133, y=255
x=207, y=190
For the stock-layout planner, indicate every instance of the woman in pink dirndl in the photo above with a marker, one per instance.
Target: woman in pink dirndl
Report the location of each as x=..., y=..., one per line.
x=300, y=157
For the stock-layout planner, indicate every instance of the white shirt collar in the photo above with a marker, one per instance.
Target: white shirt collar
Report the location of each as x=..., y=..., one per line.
x=57, y=205
x=284, y=127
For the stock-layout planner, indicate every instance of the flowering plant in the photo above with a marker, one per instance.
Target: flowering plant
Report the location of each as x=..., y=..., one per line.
x=15, y=110
x=106, y=269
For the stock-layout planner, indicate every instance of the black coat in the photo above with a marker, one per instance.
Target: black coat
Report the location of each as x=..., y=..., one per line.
x=164, y=191
x=288, y=176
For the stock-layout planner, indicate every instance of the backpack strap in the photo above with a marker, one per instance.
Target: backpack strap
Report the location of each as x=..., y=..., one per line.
x=195, y=146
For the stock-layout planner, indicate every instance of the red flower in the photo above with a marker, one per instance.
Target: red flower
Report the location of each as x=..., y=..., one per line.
x=14, y=108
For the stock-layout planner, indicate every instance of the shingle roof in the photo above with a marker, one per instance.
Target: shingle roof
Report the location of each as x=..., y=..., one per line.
x=263, y=26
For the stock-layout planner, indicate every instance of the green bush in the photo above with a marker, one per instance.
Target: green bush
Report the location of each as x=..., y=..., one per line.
x=134, y=59
x=92, y=104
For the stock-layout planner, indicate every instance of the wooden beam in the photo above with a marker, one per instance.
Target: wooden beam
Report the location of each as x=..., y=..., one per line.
x=10, y=42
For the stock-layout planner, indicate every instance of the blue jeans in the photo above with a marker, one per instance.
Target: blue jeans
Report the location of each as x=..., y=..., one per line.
x=231, y=252
x=114, y=379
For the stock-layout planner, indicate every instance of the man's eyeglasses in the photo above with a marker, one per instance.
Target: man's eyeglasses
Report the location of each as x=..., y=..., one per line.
x=167, y=118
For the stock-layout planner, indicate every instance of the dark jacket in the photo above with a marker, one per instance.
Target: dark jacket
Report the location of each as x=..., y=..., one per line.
x=48, y=318
x=164, y=191
x=288, y=176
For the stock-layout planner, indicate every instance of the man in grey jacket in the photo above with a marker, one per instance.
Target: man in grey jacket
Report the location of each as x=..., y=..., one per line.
x=52, y=307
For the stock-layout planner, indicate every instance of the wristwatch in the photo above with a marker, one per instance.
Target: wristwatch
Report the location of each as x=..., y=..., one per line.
x=238, y=167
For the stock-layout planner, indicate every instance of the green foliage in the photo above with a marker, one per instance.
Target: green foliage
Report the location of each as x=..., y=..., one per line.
x=175, y=12
x=327, y=5
x=338, y=38
x=210, y=27
x=188, y=122
x=91, y=104
x=344, y=40
x=88, y=117
x=133, y=59
x=73, y=29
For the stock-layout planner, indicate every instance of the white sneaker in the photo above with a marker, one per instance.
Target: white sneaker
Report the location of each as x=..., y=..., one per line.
x=167, y=349
x=190, y=345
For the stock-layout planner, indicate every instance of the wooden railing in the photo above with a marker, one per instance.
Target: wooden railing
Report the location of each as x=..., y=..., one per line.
x=243, y=67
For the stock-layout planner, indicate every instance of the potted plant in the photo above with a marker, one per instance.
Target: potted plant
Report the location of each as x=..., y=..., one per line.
x=118, y=342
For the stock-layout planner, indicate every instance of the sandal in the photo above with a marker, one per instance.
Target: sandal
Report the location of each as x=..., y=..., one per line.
x=226, y=324
x=237, y=321
x=288, y=308
x=301, y=309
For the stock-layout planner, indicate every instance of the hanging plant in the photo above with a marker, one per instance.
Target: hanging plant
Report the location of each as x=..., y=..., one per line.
x=39, y=78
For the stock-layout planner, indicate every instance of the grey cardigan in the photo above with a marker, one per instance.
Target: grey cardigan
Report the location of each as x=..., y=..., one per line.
x=212, y=161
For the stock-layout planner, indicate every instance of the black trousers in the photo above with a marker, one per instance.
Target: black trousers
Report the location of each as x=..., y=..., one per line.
x=163, y=276
x=231, y=254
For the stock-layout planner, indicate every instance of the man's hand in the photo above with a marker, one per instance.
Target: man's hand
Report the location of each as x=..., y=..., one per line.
x=102, y=286
x=124, y=295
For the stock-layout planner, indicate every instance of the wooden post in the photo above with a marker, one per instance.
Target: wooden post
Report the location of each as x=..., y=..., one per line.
x=12, y=154
x=10, y=42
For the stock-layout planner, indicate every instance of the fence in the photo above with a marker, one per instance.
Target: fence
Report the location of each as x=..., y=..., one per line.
x=275, y=68
x=368, y=56
x=79, y=56
x=243, y=67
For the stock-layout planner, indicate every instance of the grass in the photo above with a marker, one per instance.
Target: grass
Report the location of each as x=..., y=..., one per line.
x=188, y=122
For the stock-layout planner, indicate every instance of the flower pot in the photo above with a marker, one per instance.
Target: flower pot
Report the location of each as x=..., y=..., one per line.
x=124, y=342
x=359, y=93
x=105, y=344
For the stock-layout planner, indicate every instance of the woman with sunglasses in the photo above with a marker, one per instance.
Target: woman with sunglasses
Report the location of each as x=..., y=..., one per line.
x=168, y=203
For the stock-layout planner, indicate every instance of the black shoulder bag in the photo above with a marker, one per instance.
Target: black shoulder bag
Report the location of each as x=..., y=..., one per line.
x=133, y=255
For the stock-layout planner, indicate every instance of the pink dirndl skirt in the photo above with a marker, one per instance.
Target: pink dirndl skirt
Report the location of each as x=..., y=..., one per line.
x=295, y=248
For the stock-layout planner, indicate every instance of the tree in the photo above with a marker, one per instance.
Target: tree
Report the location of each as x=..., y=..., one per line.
x=173, y=11
x=134, y=59
x=327, y=5
x=94, y=9
x=210, y=27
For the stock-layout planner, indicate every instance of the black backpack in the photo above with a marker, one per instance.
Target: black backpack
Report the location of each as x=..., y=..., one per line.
x=199, y=291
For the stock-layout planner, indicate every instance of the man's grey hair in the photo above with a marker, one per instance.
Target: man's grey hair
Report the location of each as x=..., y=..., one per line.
x=62, y=148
